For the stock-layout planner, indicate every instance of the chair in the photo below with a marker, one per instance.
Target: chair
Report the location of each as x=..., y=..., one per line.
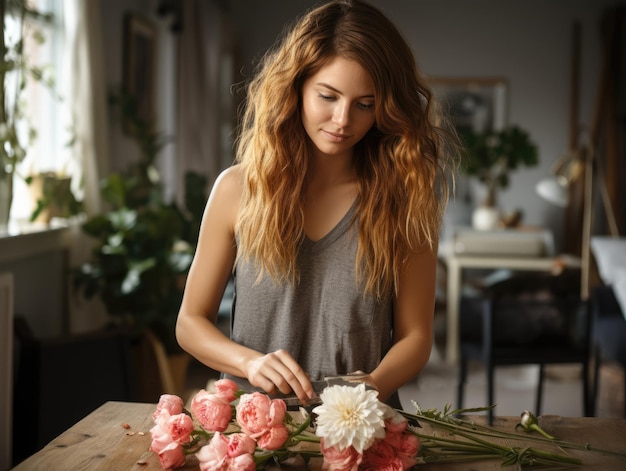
x=61, y=379
x=608, y=335
x=538, y=324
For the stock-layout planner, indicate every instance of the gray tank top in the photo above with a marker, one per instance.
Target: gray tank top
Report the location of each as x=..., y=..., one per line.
x=325, y=321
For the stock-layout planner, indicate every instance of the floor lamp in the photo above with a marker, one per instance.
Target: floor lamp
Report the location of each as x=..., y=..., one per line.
x=583, y=162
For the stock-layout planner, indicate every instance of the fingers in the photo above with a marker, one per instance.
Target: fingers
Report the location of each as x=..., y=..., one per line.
x=278, y=371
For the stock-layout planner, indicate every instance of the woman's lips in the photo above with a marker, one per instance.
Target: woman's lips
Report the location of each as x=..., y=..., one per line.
x=335, y=137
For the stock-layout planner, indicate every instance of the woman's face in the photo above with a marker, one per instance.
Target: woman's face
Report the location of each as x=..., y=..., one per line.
x=338, y=106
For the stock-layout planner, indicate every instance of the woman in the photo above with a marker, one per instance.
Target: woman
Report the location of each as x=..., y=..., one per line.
x=329, y=220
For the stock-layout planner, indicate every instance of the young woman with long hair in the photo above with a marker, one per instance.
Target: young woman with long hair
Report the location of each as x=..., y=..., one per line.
x=329, y=220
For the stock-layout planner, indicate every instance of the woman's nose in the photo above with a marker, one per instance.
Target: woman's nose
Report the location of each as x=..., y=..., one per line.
x=341, y=114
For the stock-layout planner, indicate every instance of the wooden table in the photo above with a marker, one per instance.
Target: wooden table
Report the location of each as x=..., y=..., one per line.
x=100, y=442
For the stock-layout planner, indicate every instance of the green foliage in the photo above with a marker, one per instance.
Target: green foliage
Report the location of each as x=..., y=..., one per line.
x=490, y=156
x=15, y=71
x=57, y=198
x=144, y=245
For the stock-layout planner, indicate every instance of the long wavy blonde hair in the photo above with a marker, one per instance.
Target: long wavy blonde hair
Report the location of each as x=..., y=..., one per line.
x=401, y=162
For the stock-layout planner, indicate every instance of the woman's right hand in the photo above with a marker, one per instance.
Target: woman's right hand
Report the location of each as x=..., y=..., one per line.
x=279, y=371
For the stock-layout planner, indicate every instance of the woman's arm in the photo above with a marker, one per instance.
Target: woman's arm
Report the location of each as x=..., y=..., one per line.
x=414, y=308
x=196, y=329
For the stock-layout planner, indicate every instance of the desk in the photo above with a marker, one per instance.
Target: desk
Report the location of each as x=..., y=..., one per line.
x=455, y=264
x=99, y=442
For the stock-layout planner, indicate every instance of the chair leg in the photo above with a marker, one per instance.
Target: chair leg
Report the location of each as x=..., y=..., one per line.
x=624, y=368
x=490, y=395
x=539, y=396
x=461, y=385
x=595, y=387
x=587, y=407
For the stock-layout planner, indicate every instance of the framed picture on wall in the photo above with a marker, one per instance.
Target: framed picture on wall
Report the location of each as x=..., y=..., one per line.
x=474, y=103
x=139, y=71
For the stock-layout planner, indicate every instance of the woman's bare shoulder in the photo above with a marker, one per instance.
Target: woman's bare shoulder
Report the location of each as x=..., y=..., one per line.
x=223, y=204
x=229, y=183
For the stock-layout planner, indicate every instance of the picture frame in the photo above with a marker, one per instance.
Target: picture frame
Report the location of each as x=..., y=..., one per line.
x=139, y=68
x=476, y=103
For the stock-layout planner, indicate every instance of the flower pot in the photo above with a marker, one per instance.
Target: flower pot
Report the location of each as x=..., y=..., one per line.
x=485, y=218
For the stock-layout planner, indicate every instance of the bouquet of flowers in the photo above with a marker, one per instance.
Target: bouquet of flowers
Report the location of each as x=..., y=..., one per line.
x=351, y=429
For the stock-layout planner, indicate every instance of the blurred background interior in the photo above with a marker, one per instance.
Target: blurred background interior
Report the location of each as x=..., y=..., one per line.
x=129, y=113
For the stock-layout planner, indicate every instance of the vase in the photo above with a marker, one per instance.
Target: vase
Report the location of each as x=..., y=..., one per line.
x=485, y=218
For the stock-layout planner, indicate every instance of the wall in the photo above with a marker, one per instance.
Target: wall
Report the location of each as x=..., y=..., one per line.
x=123, y=149
x=526, y=41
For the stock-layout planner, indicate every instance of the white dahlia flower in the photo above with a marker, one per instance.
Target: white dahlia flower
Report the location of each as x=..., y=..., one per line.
x=350, y=416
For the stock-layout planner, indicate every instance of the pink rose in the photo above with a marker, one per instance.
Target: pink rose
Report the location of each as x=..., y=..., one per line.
x=169, y=402
x=240, y=444
x=172, y=456
x=381, y=455
x=410, y=445
x=394, y=426
x=176, y=428
x=347, y=459
x=242, y=463
x=216, y=456
x=160, y=439
x=257, y=413
x=274, y=438
x=179, y=427
x=212, y=411
x=226, y=388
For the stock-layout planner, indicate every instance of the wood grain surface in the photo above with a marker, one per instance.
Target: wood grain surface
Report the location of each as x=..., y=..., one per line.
x=101, y=441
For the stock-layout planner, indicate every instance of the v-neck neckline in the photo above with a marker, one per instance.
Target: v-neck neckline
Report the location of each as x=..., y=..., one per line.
x=332, y=235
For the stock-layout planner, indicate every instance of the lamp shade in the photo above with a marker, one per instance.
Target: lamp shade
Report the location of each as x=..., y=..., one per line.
x=554, y=190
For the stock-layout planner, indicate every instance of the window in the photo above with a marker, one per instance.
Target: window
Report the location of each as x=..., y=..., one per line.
x=45, y=108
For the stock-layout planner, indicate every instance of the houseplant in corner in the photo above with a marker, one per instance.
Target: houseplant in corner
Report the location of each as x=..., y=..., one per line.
x=490, y=156
x=144, y=245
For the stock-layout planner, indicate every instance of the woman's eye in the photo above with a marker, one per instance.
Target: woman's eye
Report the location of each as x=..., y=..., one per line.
x=326, y=97
x=366, y=106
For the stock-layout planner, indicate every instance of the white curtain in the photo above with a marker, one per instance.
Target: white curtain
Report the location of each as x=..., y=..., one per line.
x=87, y=94
x=202, y=106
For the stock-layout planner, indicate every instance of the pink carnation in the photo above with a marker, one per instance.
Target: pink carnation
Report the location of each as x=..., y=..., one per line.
x=227, y=453
x=226, y=388
x=347, y=459
x=170, y=403
x=211, y=410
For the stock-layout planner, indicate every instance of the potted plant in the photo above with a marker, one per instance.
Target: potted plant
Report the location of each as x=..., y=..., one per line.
x=53, y=196
x=490, y=156
x=144, y=244
x=15, y=73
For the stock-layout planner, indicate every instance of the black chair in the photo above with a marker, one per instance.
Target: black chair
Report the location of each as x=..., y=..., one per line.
x=61, y=379
x=517, y=328
x=608, y=335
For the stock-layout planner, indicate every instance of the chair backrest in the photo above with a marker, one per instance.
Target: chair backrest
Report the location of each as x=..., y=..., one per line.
x=524, y=321
x=61, y=379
